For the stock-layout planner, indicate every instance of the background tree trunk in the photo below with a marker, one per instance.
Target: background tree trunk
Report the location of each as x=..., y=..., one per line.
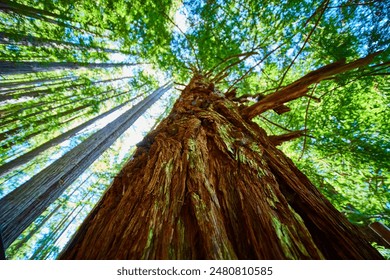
x=29, y=40
x=23, y=67
x=11, y=165
x=208, y=184
x=23, y=205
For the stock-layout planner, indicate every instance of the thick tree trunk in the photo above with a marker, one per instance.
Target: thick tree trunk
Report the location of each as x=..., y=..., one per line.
x=23, y=205
x=209, y=184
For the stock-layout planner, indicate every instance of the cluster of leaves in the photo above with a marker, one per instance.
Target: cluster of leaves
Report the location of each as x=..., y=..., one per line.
x=346, y=152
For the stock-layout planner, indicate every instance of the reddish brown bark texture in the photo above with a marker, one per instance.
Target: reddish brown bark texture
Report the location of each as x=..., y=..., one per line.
x=208, y=184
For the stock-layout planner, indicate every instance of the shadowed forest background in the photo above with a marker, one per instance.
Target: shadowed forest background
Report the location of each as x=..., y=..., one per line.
x=82, y=82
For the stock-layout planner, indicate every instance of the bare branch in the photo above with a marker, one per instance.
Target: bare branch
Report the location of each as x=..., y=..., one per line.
x=279, y=139
x=300, y=87
x=222, y=73
x=316, y=99
x=275, y=124
x=354, y=4
x=305, y=126
x=253, y=67
x=208, y=73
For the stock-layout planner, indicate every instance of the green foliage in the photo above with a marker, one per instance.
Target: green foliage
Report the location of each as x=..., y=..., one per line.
x=255, y=46
x=384, y=251
x=346, y=155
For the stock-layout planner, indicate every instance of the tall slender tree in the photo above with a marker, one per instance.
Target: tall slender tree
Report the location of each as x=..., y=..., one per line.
x=20, y=207
x=9, y=166
x=8, y=68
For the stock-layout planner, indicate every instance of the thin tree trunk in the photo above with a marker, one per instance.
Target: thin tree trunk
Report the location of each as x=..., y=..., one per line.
x=35, y=230
x=20, y=207
x=9, y=142
x=29, y=40
x=52, y=234
x=36, y=123
x=81, y=99
x=9, y=166
x=11, y=93
x=39, y=252
x=209, y=184
x=2, y=247
x=7, y=5
x=50, y=90
x=23, y=67
x=17, y=109
x=15, y=85
x=48, y=251
x=56, y=117
x=58, y=19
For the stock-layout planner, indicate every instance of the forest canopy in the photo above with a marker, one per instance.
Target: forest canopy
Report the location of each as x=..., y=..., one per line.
x=69, y=68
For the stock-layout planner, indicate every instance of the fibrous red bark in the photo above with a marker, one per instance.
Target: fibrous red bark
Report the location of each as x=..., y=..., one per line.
x=209, y=184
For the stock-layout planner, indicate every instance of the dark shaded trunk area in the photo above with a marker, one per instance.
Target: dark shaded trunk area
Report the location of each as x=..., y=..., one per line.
x=208, y=184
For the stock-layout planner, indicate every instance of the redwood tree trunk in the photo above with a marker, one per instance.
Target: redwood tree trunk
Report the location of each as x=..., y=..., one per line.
x=208, y=184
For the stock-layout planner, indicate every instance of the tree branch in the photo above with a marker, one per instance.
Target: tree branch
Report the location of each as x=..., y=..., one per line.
x=306, y=116
x=353, y=4
x=253, y=67
x=222, y=73
x=300, y=87
x=275, y=124
x=279, y=139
